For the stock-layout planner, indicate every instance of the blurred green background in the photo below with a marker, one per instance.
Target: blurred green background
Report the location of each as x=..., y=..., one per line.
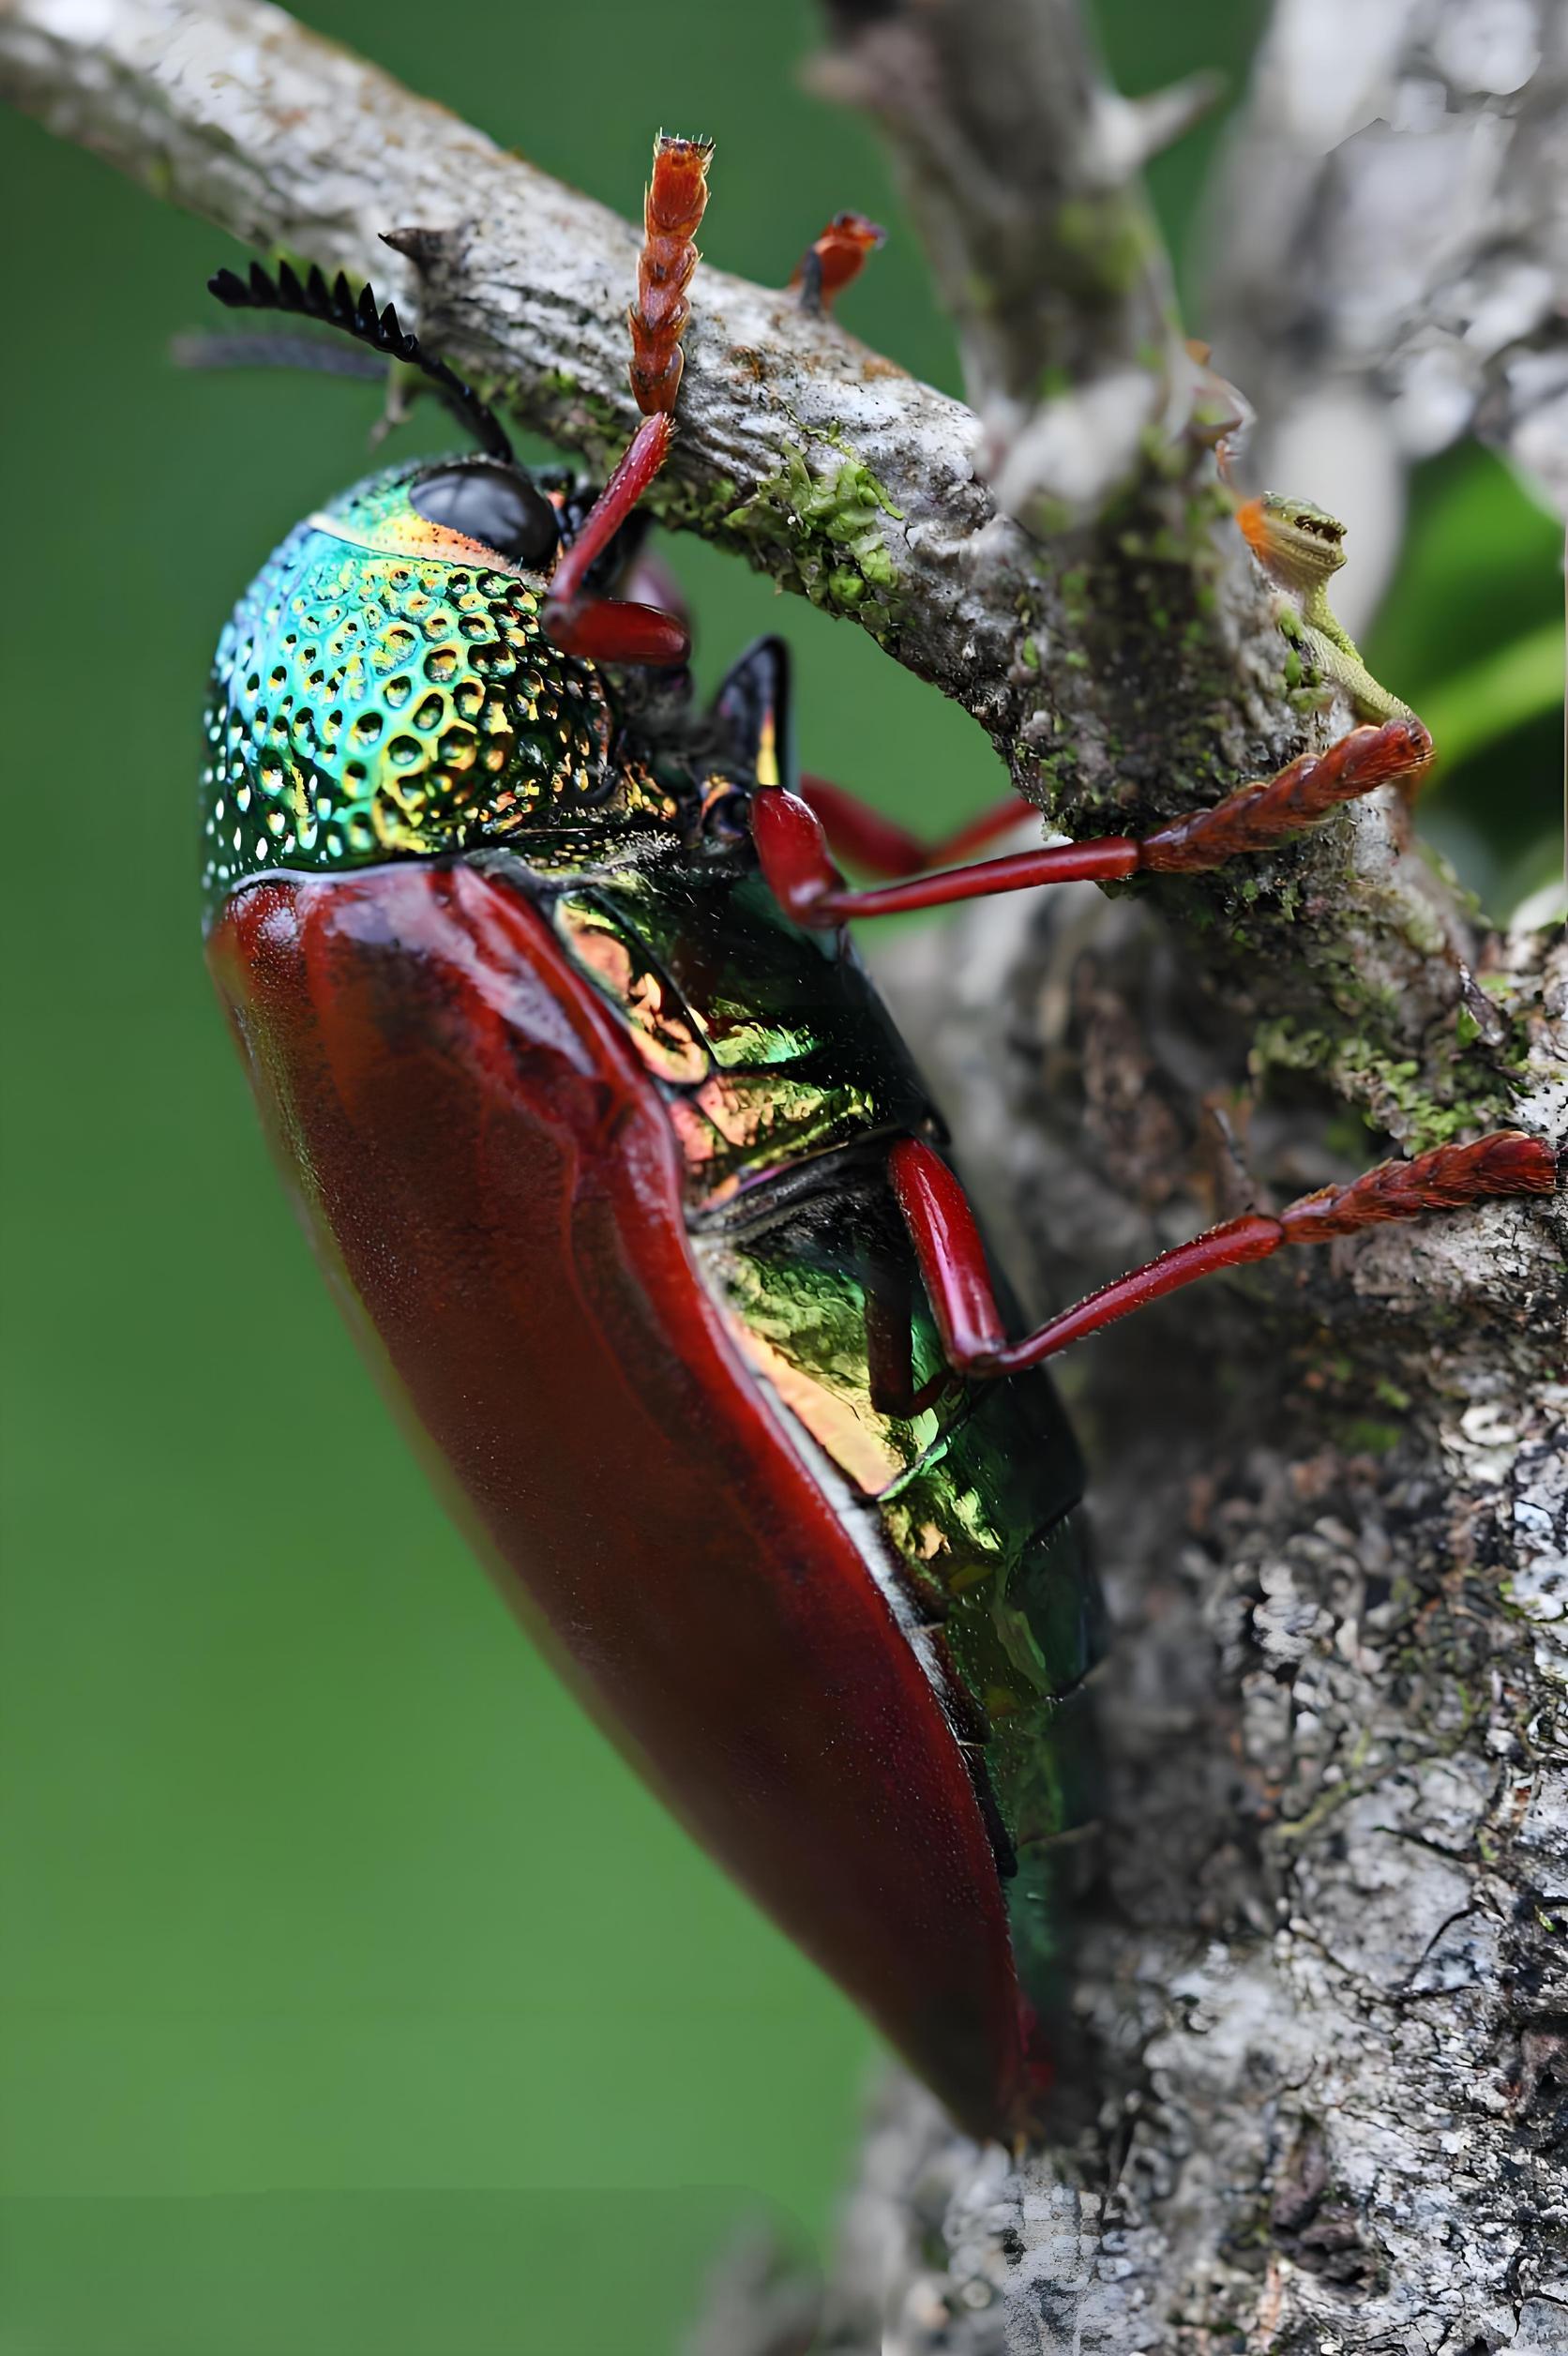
x=356, y=2001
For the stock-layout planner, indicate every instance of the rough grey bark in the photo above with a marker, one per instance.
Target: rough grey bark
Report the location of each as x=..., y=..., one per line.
x=1322, y=1982
x=1324, y=2037
x=1321, y=2095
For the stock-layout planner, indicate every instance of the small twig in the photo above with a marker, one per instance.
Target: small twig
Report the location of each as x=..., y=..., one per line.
x=1022, y=168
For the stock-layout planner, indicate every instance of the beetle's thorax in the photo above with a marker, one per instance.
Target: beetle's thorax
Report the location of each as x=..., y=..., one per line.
x=767, y=1044
x=385, y=690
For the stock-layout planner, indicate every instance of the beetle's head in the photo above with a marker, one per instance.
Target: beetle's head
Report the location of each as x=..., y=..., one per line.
x=478, y=512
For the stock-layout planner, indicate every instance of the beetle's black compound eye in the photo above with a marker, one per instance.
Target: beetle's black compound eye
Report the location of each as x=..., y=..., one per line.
x=493, y=504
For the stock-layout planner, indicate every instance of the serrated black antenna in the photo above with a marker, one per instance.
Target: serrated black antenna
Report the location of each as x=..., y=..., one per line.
x=335, y=305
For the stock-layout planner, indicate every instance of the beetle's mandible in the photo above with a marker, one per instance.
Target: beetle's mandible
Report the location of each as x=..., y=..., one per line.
x=632, y=1193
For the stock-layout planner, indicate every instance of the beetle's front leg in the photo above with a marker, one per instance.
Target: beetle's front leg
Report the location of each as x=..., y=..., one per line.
x=612, y=629
x=792, y=844
x=952, y=1265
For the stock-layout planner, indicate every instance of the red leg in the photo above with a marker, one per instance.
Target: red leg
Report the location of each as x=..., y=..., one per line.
x=650, y=582
x=835, y=259
x=953, y=1259
x=792, y=850
x=868, y=840
x=792, y=847
x=890, y=1350
x=673, y=204
x=609, y=629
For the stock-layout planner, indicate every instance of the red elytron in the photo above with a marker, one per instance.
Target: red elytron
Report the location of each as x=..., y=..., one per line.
x=502, y=1201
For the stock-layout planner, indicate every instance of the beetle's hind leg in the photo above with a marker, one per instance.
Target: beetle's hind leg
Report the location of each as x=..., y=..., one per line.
x=952, y=1256
x=614, y=630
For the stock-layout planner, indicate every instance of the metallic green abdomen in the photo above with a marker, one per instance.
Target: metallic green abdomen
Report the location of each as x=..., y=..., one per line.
x=784, y=1079
x=769, y=1043
x=967, y=1494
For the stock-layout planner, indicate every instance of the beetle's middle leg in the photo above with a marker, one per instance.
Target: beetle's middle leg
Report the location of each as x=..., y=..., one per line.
x=869, y=839
x=952, y=1257
x=792, y=844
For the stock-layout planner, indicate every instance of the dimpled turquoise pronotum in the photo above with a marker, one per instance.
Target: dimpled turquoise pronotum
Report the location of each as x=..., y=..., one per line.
x=372, y=700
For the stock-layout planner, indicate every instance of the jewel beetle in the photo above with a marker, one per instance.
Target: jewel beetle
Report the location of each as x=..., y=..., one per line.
x=628, y=1187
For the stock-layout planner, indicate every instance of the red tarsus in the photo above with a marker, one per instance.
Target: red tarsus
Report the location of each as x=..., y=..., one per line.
x=673, y=206
x=1506, y=1162
x=1257, y=816
x=835, y=259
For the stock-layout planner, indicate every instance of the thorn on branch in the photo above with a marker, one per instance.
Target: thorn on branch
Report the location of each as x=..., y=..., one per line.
x=427, y=248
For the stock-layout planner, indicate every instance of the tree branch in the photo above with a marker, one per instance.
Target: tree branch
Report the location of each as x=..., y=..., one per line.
x=1124, y=671
x=1022, y=170
x=1322, y=1993
x=823, y=463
